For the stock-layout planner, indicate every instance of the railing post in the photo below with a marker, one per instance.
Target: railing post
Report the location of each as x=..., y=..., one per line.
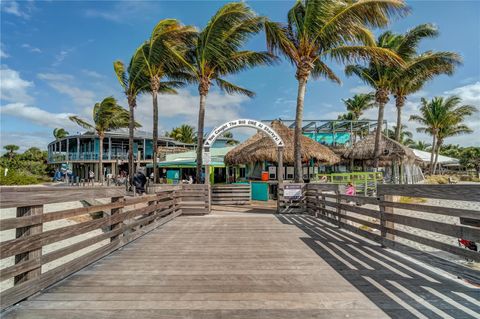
x=324, y=212
x=384, y=224
x=317, y=200
x=209, y=198
x=339, y=210
x=28, y=231
x=113, y=213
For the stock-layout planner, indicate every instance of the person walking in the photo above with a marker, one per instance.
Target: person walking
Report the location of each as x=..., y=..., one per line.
x=139, y=181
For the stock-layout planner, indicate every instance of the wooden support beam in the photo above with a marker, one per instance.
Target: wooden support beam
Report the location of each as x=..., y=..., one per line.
x=34, y=253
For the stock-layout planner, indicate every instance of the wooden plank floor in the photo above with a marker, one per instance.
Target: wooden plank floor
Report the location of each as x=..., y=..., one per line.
x=248, y=265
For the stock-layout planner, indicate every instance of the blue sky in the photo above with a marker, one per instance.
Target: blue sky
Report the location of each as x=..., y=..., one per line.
x=56, y=60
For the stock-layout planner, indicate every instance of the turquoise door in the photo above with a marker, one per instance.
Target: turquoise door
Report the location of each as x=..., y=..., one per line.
x=259, y=191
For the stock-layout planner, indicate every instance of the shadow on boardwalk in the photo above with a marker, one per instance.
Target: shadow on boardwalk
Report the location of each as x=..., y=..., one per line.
x=401, y=288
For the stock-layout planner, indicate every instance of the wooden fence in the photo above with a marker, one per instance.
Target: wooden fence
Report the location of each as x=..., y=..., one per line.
x=120, y=220
x=375, y=218
x=231, y=194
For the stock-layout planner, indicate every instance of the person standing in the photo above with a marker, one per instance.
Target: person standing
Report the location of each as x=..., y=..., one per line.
x=91, y=177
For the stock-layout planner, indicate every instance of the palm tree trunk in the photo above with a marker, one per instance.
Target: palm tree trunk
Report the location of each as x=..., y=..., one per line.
x=382, y=98
x=201, y=122
x=302, y=84
x=434, y=148
x=399, y=101
x=100, y=158
x=437, y=151
x=131, y=127
x=155, y=134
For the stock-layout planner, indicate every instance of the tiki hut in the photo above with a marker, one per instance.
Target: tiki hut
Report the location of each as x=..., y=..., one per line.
x=391, y=153
x=260, y=148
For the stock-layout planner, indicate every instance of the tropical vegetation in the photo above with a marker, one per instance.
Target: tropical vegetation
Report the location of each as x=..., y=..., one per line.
x=134, y=81
x=406, y=78
x=161, y=67
x=217, y=52
x=442, y=118
x=59, y=133
x=406, y=137
x=29, y=167
x=184, y=133
x=107, y=116
x=317, y=30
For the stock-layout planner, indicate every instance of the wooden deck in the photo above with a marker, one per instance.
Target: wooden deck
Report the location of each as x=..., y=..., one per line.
x=252, y=265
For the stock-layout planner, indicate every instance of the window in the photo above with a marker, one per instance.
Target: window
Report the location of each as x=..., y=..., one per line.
x=242, y=172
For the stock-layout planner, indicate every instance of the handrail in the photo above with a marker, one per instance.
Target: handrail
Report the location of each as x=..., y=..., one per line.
x=376, y=218
x=122, y=220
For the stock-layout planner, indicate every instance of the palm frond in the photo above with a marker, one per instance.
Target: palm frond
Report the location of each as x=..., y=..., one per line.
x=232, y=88
x=81, y=122
x=321, y=69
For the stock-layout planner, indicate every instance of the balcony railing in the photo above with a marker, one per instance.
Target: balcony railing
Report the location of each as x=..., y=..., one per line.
x=87, y=156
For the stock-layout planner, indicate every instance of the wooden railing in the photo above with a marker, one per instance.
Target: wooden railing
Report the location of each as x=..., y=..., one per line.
x=82, y=234
x=376, y=219
x=231, y=194
x=193, y=199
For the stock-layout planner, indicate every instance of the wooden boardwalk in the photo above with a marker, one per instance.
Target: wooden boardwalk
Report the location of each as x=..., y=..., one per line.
x=252, y=265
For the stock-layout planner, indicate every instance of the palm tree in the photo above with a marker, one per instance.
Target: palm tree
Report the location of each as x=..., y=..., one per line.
x=11, y=148
x=420, y=145
x=320, y=29
x=418, y=69
x=405, y=136
x=356, y=106
x=216, y=54
x=107, y=115
x=59, y=133
x=449, y=130
x=359, y=103
x=133, y=81
x=378, y=75
x=184, y=133
x=231, y=140
x=441, y=117
x=160, y=64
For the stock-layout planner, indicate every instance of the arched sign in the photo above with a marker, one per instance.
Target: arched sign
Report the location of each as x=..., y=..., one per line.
x=216, y=132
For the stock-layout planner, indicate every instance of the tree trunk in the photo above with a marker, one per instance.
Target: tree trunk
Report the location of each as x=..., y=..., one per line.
x=155, y=135
x=100, y=158
x=201, y=120
x=298, y=174
x=381, y=97
x=131, y=127
x=434, y=148
x=437, y=151
x=399, y=102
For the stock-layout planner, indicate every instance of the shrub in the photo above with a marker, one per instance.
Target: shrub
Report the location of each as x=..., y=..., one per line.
x=437, y=179
x=19, y=177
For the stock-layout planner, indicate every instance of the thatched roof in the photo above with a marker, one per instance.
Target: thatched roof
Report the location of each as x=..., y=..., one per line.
x=389, y=149
x=261, y=148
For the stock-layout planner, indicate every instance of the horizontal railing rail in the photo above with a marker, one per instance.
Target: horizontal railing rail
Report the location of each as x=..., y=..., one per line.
x=404, y=226
x=35, y=254
x=231, y=194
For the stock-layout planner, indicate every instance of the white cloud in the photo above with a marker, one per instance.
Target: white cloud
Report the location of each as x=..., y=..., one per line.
x=361, y=89
x=12, y=7
x=63, y=83
x=13, y=88
x=220, y=108
x=3, y=53
x=124, y=11
x=25, y=140
x=37, y=115
x=92, y=74
x=470, y=94
x=31, y=48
